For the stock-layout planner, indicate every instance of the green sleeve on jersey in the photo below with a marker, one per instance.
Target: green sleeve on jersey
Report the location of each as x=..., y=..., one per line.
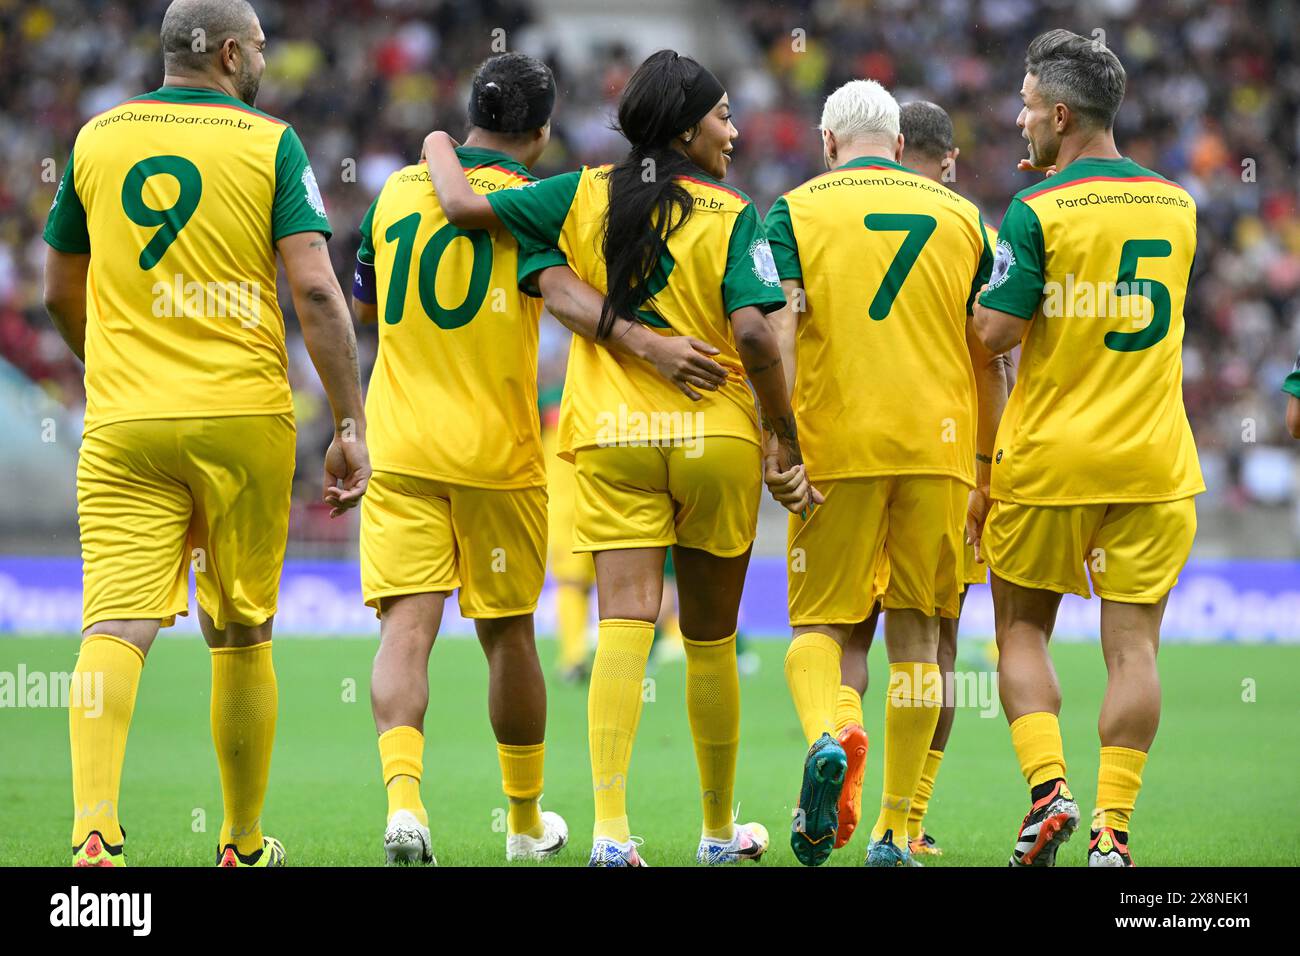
x=65, y=229
x=366, y=252
x=298, y=205
x=983, y=271
x=780, y=235
x=1291, y=384
x=1016, y=285
x=533, y=260
x=535, y=213
x=751, y=277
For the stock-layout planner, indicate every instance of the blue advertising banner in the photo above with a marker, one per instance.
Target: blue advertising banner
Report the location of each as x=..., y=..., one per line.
x=1227, y=600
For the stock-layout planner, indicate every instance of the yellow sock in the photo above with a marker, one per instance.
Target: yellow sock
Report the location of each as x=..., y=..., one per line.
x=713, y=707
x=1119, y=778
x=613, y=712
x=101, y=701
x=848, y=708
x=1037, y=739
x=911, y=713
x=812, y=669
x=401, y=754
x=924, y=790
x=244, y=704
x=571, y=603
x=521, y=779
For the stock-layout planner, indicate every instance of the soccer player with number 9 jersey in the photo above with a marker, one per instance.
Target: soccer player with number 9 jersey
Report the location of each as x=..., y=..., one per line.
x=161, y=274
x=1095, y=469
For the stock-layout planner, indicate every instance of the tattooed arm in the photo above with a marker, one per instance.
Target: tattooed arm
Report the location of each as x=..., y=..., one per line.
x=331, y=341
x=760, y=353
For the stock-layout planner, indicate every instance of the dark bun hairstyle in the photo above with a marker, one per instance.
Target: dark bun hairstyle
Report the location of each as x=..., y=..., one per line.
x=512, y=93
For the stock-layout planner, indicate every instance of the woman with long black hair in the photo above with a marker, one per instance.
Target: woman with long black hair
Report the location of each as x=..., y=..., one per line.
x=669, y=246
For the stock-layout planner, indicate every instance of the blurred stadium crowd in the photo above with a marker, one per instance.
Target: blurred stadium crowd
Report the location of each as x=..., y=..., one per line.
x=1213, y=100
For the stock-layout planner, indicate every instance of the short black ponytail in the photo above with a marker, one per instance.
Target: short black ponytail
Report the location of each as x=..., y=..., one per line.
x=512, y=93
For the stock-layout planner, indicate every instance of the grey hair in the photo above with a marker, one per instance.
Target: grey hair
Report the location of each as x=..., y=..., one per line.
x=1081, y=73
x=926, y=129
x=205, y=24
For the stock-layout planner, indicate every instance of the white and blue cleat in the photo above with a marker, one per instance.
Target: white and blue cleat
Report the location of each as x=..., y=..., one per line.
x=749, y=842
x=606, y=852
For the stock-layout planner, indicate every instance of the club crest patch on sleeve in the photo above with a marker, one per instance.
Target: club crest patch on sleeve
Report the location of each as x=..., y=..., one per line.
x=312, y=189
x=1003, y=260
x=760, y=253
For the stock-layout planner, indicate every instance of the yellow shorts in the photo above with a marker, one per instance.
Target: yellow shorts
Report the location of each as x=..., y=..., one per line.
x=155, y=496
x=901, y=534
x=1133, y=552
x=565, y=564
x=419, y=536
x=703, y=497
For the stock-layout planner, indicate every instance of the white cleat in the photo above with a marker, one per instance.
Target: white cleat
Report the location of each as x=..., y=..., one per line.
x=748, y=842
x=606, y=852
x=406, y=840
x=555, y=834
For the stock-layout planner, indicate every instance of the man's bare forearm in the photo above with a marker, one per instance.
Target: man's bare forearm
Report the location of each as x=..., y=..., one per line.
x=786, y=324
x=332, y=343
x=991, y=400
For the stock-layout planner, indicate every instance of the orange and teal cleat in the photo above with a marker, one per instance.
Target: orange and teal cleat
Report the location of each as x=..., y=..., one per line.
x=854, y=741
x=812, y=834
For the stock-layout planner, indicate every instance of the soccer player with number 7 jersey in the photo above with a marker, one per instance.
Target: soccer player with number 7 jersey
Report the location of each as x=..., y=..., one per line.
x=1095, y=470
x=161, y=275
x=880, y=265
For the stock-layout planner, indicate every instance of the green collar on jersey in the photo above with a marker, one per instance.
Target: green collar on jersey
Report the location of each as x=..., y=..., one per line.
x=875, y=161
x=198, y=94
x=472, y=157
x=1090, y=167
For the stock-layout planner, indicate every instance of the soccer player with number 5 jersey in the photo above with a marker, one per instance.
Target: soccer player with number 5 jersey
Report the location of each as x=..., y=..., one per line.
x=1095, y=471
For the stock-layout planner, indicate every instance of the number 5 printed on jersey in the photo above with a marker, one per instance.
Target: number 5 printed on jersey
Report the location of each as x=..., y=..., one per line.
x=1157, y=293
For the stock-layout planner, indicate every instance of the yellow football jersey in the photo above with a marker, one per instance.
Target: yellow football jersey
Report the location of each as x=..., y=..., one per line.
x=1096, y=259
x=179, y=196
x=716, y=263
x=890, y=261
x=453, y=395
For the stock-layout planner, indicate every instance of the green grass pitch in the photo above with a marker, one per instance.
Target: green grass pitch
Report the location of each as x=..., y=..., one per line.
x=1220, y=790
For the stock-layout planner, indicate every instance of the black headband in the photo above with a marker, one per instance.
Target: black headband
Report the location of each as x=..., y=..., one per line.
x=702, y=94
x=540, y=105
